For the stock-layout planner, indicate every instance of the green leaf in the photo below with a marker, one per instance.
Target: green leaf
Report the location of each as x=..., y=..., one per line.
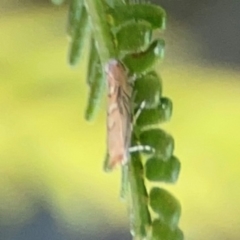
x=161, y=114
x=164, y=171
x=144, y=61
x=153, y=14
x=96, y=91
x=74, y=16
x=166, y=206
x=79, y=34
x=93, y=62
x=161, y=231
x=160, y=141
x=148, y=89
x=101, y=29
x=133, y=36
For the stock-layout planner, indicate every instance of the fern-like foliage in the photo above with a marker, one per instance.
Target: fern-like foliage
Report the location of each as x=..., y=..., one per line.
x=124, y=30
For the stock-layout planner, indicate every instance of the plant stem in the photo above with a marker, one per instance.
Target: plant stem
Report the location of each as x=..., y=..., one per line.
x=140, y=215
x=101, y=30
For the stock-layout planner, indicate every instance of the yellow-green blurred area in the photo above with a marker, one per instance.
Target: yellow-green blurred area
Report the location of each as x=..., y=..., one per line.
x=51, y=158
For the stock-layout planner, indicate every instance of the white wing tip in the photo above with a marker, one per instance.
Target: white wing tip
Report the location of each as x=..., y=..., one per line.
x=111, y=63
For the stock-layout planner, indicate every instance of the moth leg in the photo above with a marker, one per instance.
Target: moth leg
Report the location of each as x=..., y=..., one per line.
x=139, y=111
x=141, y=148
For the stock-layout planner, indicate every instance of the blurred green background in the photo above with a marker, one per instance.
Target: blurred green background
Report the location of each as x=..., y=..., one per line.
x=51, y=181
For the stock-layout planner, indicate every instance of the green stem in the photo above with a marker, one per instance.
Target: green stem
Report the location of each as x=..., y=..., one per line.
x=141, y=220
x=101, y=30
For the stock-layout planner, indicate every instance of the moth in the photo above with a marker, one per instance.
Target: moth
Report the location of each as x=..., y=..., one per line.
x=119, y=116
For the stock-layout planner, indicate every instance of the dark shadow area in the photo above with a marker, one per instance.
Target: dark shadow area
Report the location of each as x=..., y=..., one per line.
x=43, y=227
x=215, y=24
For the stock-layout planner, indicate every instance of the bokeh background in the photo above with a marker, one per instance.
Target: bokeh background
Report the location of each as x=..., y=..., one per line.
x=51, y=181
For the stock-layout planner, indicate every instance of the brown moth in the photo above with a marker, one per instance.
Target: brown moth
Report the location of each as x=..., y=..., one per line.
x=119, y=117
